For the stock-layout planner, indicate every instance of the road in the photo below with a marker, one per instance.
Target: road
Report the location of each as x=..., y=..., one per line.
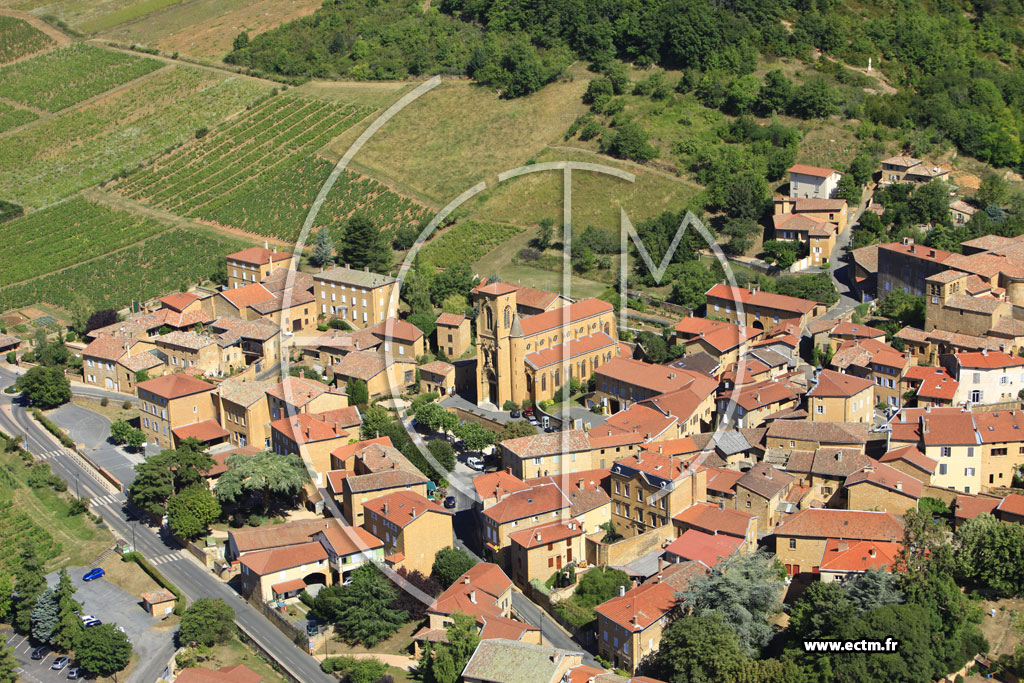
x=193, y=579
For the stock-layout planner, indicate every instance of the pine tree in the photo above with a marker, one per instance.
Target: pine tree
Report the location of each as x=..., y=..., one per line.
x=45, y=615
x=8, y=666
x=323, y=252
x=69, y=625
x=365, y=245
x=30, y=584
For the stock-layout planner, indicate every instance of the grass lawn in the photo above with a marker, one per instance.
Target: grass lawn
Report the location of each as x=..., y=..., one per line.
x=398, y=644
x=124, y=673
x=237, y=652
x=112, y=411
x=128, y=576
x=80, y=538
x=440, y=155
x=548, y=280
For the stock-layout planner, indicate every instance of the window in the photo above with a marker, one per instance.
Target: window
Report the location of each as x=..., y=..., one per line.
x=819, y=409
x=970, y=451
x=977, y=377
x=975, y=396
x=1004, y=380
x=946, y=451
x=942, y=468
x=639, y=494
x=792, y=544
x=999, y=451
x=968, y=471
x=748, y=503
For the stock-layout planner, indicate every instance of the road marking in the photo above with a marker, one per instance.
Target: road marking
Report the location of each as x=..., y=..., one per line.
x=112, y=499
x=163, y=559
x=49, y=454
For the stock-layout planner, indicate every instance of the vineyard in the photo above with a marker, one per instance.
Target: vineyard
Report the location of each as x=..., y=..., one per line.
x=18, y=530
x=162, y=264
x=65, y=234
x=466, y=241
x=18, y=38
x=54, y=159
x=12, y=117
x=259, y=173
x=56, y=80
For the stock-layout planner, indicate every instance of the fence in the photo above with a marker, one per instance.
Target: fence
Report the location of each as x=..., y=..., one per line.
x=628, y=549
x=283, y=623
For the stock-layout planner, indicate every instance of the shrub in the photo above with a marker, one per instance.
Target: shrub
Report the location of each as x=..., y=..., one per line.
x=12, y=357
x=127, y=405
x=104, y=401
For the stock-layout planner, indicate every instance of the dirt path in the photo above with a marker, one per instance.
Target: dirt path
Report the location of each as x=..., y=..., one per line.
x=119, y=202
x=58, y=36
x=612, y=161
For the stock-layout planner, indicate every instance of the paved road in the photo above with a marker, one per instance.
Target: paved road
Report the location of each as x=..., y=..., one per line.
x=191, y=577
x=92, y=431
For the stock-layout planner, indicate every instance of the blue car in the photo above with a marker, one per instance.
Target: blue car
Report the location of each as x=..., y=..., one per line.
x=93, y=574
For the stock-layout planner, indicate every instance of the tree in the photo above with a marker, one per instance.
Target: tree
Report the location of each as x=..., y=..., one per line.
x=6, y=601
x=740, y=232
x=424, y=322
x=103, y=650
x=123, y=433
x=775, y=94
x=515, y=430
x=693, y=281
x=207, y=622
x=449, y=564
x=241, y=41
x=323, y=252
x=698, y=649
x=993, y=190
x=815, y=99
x=153, y=485
x=630, y=141
x=784, y=252
x=874, y=589
x=191, y=512
x=9, y=666
x=743, y=591
x=69, y=625
x=363, y=607
x=358, y=393
x=45, y=387
x=654, y=345
x=28, y=586
x=45, y=616
x=990, y=553
x=599, y=585
x=443, y=453
x=272, y=477
x=444, y=662
x=545, y=231
x=365, y=246
x=456, y=278
x=474, y=437
x=585, y=261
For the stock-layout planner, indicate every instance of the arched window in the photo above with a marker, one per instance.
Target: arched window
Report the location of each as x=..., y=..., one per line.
x=490, y=318
x=544, y=382
x=607, y=329
x=508, y=317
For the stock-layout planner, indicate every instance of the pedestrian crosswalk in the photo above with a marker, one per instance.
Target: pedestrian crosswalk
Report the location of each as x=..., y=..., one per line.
x=113, y=499
x=164, y=559
x=49, y=454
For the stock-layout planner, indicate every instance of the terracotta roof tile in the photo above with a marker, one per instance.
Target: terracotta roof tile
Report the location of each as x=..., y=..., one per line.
x=278, y=535
x=836, y=384
x=542, y=534
x=1012, y=504
x=841, y=433
x=573, y=313
x=765, y=480
x=968, y=507
x=349, y=540
x=888, y=478
x=639, y=607
x=305, y=428
x=761, y=298
x=708, y=549
x=179, y=300
x=534, y=501
x=988, y=360
x=175, y=386
x=711, y=519
x=579, y=346
x=497, y=484
x=203, y=431
x=401, y=508
x=266, y=562
x=450, y=320
x=911, y=455
x=816, y=171
x=241, y=297
x=259, y=256
x=848, y=524
x=859, y=556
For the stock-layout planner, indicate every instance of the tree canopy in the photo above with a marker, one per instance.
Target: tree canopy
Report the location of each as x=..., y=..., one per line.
x=270, y=478
x=449, y=565
x=45, y=387
x=207, y=622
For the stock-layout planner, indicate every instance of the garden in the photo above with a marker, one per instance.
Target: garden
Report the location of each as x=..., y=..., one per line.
x=18, y=38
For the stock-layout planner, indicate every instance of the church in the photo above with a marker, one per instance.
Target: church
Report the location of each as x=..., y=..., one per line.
x=526, y=350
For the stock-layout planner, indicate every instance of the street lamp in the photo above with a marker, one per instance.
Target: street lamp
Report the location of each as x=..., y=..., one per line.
x=134, y=549
x=78, y=485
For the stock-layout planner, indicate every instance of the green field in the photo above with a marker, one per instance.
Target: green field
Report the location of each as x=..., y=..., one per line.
x=65, y=234
x=18, y=38
x=53, y=159
x=466, y=241
x=165, y=263
x=12, y=117
x=259, y=173
x=58, y=79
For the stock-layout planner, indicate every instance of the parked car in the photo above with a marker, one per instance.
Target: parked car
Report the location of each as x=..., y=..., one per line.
x=534, y=421
x=74, y=673
x=40, y=652
x=514, y=413
x=449, y=503
x=121, y=629
x=86, y=617
x=93, y=574
x=312, y=628
x=60, y=663
x=549, y=429
x=528, y=413
x=93, y=622
x=475, y=463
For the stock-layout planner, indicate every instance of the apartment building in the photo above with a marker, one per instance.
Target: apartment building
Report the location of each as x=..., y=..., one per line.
x=172, y=402
x=359, y=297
x=838, y=397
x=254, y=264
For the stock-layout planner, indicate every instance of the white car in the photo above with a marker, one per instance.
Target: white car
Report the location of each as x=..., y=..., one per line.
x=475, y=463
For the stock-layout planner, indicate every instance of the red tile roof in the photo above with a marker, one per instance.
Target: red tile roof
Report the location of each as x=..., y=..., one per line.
x=220, y=460
x=761, y=298
x=237, y=673
x=175, y=386
x=259, y=256
x=935, y=383
x=450, y=320
x=859, y=556
x=839, y=385
x=988, y=360
x=889, y=478
x=575, y=347
x=398, y=330
x=305, y=428
x=537, y=500
x=765, y=480
x=708, y=549
x=497, y=484
x=849, y=524
x=343, y=452
x=681, y=446
x=639, y=607
x=723, y=336
x=573, y=313
x=266, y=562
x=712, y=519
x=912, y=455
x=722, y=480
x=656, y=378
x=401, y=508
x=816, y=171
x=107, y=347
x=1012, y=504
x=949, y=429
x=241, y=297
x=349, y=540
x=968, y=507
x=475, y=593
x=638, y=419
x=754, y=396
x=921, y=252
x=205, y=430
x=542, y=534
x=179, y=301
x=496, y=288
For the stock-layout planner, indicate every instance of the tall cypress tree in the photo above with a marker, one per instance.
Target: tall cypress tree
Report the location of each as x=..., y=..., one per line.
x=365, y=246
x=30, y=584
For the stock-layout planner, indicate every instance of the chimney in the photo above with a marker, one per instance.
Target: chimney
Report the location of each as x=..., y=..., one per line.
x=472, y=596
x=538, y=537
x=266, y=245
x=385, y=507
x=466, y=581
x=302, y=374
x=984, y=352
x=366, y=269
x=622, y=591
x=413, y=510
x=579, y=484
x=899, y=486
x=872, y=552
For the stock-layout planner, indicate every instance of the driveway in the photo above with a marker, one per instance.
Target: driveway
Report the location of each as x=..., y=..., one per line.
x=111, y=605
x=92, y=431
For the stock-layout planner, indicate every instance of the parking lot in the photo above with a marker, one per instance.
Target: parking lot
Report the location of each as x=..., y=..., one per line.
x=111, y=605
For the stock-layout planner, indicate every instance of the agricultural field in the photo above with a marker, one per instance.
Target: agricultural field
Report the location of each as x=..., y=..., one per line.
x=18, y=38
x=467, y=240
x=55, y=158
x=18, y=529
x=259, y=173
x=12, y=117
x=65, y=234
x=164, y=263
x=58, y=79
